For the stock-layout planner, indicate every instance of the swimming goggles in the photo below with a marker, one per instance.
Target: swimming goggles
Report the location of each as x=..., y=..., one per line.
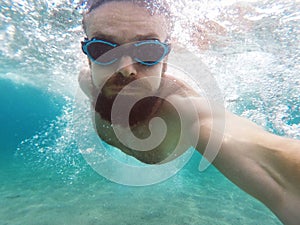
x=147, y=52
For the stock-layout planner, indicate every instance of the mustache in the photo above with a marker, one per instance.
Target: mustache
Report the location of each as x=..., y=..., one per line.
x=120, y=80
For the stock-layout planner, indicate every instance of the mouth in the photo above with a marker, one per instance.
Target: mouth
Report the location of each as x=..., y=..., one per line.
x=114, y=90
x=132, y=87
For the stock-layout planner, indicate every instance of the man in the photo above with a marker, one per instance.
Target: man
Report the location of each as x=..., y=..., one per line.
x=127, y=42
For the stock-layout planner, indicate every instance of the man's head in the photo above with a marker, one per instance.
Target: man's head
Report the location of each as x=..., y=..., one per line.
x=160, y=7
x=118, y=23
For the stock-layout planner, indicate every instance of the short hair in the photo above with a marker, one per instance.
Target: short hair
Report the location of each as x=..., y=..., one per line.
x=160, y=7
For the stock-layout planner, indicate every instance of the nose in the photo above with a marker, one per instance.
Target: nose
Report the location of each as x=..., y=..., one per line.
x=127, y=67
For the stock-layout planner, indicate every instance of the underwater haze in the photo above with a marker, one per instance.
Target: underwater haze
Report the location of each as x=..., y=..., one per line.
x=251, y=48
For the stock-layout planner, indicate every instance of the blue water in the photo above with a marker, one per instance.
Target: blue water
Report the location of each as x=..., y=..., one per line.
x=24, y=110
x=43, y=177
x=37, y=190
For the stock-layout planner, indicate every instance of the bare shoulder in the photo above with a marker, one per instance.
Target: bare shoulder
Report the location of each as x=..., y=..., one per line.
x=85, y=82
x=173, y=86
x=188, y=100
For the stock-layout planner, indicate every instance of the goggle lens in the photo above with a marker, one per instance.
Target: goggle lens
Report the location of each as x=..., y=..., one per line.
x=150, y=53
x=96, y=49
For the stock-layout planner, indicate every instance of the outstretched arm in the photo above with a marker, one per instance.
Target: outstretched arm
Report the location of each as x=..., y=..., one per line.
x=264, y=165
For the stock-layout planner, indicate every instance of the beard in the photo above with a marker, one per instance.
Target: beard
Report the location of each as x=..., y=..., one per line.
x=142, y=111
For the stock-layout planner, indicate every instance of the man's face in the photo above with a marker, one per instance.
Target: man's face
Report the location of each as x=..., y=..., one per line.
x=121, y=23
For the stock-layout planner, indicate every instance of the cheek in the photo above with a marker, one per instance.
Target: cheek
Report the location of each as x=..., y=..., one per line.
x=100, y=74
x=156, y=72
x=157, y=84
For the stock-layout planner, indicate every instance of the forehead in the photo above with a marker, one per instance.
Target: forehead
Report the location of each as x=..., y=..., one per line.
x=125, y=22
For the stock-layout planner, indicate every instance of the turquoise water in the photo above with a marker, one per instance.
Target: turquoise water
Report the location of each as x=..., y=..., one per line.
x=45, y=180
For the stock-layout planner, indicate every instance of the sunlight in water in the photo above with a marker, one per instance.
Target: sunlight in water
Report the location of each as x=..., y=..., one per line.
x=246, y=45
x=250, y=47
